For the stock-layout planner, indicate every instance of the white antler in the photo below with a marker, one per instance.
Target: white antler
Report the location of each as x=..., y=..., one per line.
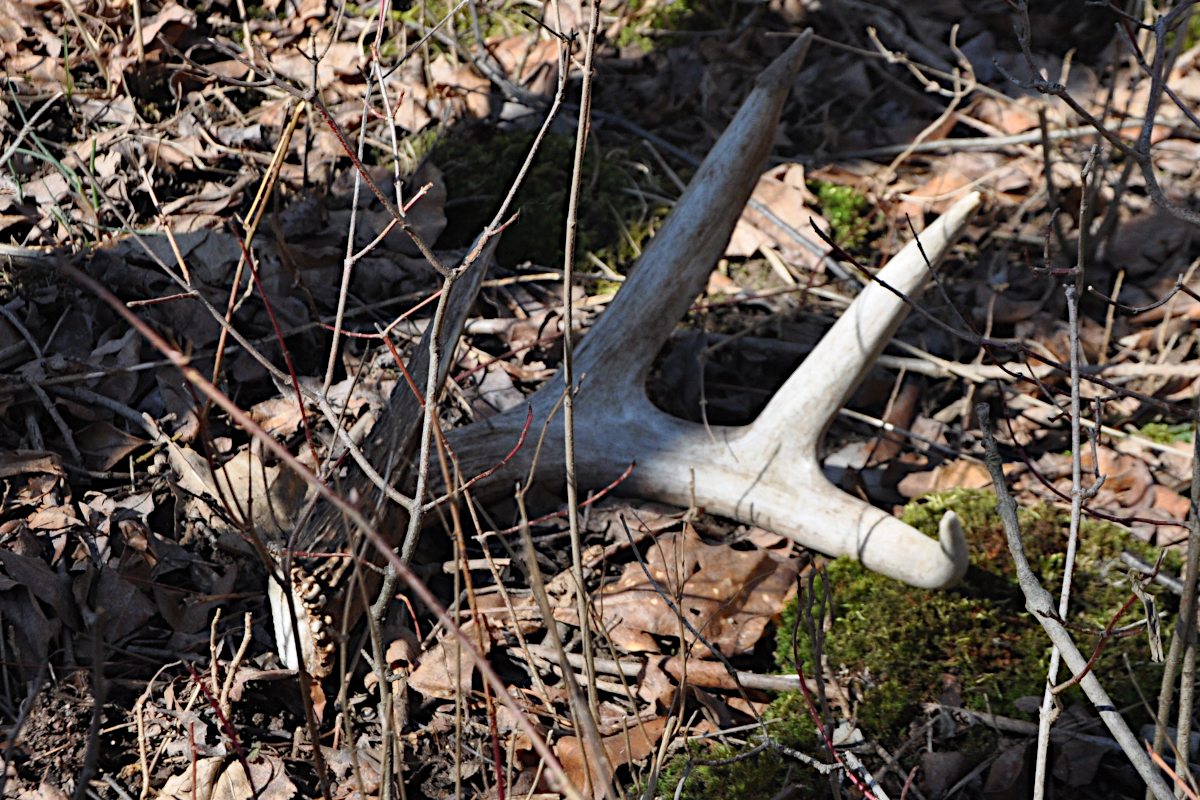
x=765, y=473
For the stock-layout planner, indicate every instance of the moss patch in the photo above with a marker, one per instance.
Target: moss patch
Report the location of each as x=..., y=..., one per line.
x=616, y=215
x=1166, y=433
x=843, y=207
x=896, y=642
x=899, y=641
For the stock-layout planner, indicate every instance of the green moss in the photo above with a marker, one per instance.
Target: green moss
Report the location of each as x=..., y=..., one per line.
x=665, y=15
x=1191, y=35
x=1164, y=433
x=760, y=776
x=897, y=642
x=843, y=208
x=902, y=640
x=480, y=165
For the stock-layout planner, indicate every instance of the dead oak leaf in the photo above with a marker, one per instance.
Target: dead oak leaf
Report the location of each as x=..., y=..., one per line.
x=21, y=462
x=781, y=189
x=727, y=595
x=104, y=446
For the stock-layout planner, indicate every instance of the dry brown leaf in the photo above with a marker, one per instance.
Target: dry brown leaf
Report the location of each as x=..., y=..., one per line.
x=18, y=16
x=246, y=674
x=722, y=284
x=24, y=618
x=41, y=73
x=1128, y=480
x=461, y=88
x=271, y=495
x=122, y=608
x=180, y=609
x=621, y=749
x=47, y=585
x=171, y=13
x=538, y=61
x=44, y=791
x=180, y=787
x=1171, y=502
x=342, y=61
x=279, y=416
x=21, y=462
x=104, y=445
x=268, y=780
x=53, y=518
x=781, y=189
x=653, y=685
x=728, y=595
x=957, y=473
x=1010, y=117
x=440, y=671
x=941, y=192
x=427, y=216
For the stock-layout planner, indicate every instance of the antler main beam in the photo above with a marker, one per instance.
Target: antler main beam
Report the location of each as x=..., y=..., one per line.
x=766, y=473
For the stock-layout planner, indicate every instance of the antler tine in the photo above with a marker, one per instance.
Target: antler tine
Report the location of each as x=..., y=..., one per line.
x=828, y=376
x=616, y=354
x=618, y=351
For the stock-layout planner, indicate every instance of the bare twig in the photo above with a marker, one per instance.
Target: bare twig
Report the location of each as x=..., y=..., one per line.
x=1185, y=631
x=568, y=365
x=1041, y=605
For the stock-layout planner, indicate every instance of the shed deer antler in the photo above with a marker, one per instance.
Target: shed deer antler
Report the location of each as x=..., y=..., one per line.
x=766, y=473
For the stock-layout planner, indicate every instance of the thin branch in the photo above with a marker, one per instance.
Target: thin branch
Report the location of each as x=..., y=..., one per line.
x=1041, y=605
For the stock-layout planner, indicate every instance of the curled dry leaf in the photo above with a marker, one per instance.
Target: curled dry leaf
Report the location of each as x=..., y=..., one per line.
x=182, y=787
x=23, y=462
x=266, y=496
x=728, y=595
x=538, y=62
x=267, y=780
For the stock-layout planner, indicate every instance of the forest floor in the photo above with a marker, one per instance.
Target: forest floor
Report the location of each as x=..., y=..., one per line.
x=138, y=656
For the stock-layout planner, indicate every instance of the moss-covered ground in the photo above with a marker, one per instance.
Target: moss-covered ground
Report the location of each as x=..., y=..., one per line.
x=898, y=646
x=621, y=200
